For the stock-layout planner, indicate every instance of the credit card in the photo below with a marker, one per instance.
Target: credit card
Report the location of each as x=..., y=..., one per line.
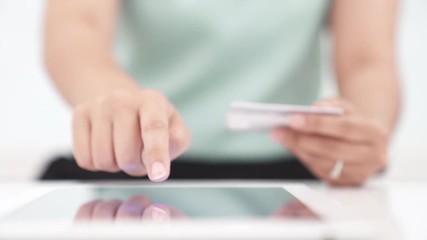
x=246, y=116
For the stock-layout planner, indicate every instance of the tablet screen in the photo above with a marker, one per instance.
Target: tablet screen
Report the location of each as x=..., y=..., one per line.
x=79, y=204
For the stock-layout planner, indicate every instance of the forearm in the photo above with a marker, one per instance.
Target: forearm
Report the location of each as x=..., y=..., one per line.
x=78, y=54
x=83, y=69
x=80, y=76
x=374, y=90
x=364, y=57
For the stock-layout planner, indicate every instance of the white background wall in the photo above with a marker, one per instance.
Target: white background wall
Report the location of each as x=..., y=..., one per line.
x=35, y=124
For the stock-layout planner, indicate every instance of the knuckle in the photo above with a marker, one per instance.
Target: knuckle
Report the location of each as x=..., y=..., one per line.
x=346, y=127
x=330, y=148
x=156, y=152
x=150, y=93
x=150, y=96
x=79, y=111
x=317, y=123
x=124, y=109
x=101, y=101
x=155, y=125
x=314, y=122
x=100, y=108
x=121, y=101
x=119, y=95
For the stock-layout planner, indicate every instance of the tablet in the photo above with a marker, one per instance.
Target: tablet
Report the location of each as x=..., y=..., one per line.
x=174, y=211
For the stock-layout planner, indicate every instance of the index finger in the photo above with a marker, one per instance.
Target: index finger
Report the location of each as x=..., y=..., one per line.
x=154, y=123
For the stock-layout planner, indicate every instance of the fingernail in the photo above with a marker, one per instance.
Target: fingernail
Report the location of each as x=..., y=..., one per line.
x=158, y=214
x=297, y=121
x=158, y=172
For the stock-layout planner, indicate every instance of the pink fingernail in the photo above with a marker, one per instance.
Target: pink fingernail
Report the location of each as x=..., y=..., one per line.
x=158, y=172
x=297, y=121
x=158, y=214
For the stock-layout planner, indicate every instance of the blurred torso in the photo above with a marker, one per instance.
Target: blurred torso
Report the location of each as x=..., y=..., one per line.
x=205, y=54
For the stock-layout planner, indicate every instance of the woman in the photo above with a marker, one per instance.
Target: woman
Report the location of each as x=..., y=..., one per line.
x=169, y=75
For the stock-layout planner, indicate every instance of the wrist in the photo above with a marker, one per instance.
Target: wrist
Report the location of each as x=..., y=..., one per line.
x=101, y=83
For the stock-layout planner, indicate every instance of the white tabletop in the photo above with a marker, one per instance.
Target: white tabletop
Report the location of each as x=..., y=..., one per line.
x=401, y=203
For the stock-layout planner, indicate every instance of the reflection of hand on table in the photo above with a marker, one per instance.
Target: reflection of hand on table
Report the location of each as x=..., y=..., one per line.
x=136, y=208
x=294, y=209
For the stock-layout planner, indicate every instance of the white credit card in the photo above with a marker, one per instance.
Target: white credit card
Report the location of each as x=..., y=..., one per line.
x=265, y=116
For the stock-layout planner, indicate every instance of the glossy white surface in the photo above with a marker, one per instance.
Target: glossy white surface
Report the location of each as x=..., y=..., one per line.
x=400, y=206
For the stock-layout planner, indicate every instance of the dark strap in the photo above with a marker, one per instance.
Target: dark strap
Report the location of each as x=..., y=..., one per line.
x=65, y=168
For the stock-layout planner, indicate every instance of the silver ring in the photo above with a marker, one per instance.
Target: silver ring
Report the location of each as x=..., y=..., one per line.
x=337, y=170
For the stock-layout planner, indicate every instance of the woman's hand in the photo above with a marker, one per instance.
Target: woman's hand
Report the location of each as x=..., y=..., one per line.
x=134, y=209
x=138, y=131
x=320, y=141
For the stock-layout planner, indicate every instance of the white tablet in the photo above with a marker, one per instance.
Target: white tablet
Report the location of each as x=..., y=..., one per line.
x=182, y=211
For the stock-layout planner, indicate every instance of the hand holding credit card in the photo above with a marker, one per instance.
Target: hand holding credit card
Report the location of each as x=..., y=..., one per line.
x=245, y=116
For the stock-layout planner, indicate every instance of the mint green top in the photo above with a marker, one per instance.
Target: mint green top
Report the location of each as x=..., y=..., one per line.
x=203, y=54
